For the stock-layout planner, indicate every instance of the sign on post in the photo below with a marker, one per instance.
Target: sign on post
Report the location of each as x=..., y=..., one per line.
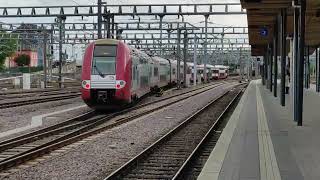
x=264, y=32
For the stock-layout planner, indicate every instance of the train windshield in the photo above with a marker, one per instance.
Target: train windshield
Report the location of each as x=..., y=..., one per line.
x=104, y=60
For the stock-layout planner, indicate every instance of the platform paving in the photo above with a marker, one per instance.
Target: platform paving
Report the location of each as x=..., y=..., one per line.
x=261, y=140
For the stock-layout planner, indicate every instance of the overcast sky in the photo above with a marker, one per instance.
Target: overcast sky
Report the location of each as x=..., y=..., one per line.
x=230, y=20
x=218, y=20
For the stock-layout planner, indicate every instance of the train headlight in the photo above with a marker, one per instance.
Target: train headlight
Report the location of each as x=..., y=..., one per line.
x=86, y=84
x=120, y=84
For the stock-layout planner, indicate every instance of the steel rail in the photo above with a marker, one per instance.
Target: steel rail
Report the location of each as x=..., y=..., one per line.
x=90, y=115
x=80, y=133
x=37, y=94
x=182, y=171
x=120, y=172
x=39, y=100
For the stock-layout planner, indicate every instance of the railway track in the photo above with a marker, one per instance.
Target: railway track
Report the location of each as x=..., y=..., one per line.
x=38, y=100
x=33, y=91
x=171, y=155
x=25, y=147
x=37, y=94
x=40, y=96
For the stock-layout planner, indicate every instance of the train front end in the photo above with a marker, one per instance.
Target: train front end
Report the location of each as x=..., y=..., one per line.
x=106, y=75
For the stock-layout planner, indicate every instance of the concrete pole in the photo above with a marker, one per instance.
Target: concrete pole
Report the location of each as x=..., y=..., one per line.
x=283, y=52
x=117, y=32
x=262, y=70
x=195, y=61
x=104, y=30
x=45, y=37
x=112, y=26
x=178, y=58
x=185, y=45
x=169, y=37
x=99, y=19
x=108, y=26
x=271, y=67
x=205, y=49
x=160, y=26
x=295, y=61
x=72, y=51
x=300, y=68
x=222, y=48
x=61, y=20
x=308, y=69
x=275, y=57
x=51, y=55
x=317, y=71
x=241, y=65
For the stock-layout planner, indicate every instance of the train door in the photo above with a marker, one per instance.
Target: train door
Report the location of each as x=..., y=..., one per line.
x=144, y=73
x=135, y=73
x=134, y=81
x=138, y=76
x=169, y=72
x=173, y=73
x=150, y=68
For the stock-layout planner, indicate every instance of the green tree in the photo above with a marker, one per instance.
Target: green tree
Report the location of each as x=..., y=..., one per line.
x=8, y=46
x=22, y=60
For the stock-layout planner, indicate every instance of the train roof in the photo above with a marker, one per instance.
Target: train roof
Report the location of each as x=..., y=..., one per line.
x=107, y=41
x=176, y=62
x=190, y=64
x=161, y=60
x=221, y=67
x=202, y=66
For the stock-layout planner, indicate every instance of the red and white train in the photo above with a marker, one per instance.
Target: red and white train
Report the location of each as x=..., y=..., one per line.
x=213, y=72
x=114, y=74
x=220, y=72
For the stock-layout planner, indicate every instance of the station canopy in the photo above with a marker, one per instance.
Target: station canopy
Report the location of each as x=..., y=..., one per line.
x=262, y=16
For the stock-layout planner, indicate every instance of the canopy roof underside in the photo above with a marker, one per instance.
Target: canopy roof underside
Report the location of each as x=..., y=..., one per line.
x=263, y=14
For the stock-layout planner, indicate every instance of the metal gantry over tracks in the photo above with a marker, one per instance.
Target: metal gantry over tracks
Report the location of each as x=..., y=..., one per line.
x=122, y=20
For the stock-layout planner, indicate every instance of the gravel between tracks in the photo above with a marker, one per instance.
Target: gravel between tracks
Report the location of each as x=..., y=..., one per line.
x=15, y=117
x=23, y=114
x=100, y=156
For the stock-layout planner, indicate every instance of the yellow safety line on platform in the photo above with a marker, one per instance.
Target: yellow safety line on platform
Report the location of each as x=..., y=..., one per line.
x=269, y=169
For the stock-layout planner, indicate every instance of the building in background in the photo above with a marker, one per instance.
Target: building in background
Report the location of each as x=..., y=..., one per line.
x=9, y=63
x=28, y=44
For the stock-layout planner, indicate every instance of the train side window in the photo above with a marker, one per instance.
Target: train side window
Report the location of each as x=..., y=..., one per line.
x=134, y=72
x=155, y=71
x=141, y=60
x=150, y=72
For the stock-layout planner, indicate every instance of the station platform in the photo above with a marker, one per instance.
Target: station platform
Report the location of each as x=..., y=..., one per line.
x=261, y=140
